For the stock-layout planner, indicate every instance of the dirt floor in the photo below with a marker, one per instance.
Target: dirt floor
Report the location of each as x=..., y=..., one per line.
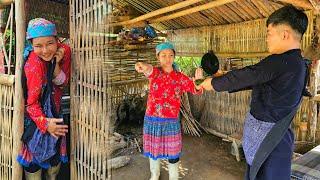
x=204, y=158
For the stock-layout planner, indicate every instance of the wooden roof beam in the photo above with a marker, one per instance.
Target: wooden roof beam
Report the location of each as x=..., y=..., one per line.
x=192, y=10
x=299, y=3
x=158, y=12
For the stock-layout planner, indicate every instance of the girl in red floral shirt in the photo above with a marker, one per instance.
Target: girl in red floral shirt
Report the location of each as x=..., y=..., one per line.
x=46, y=72
x=162, y=129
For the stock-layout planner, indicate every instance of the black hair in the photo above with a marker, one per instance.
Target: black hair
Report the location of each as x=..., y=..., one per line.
x=289, y=15
x=210, y=63
x=174, y=52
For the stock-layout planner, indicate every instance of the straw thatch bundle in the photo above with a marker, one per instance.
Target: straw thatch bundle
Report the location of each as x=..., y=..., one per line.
x=189, y=124
x=221, y=112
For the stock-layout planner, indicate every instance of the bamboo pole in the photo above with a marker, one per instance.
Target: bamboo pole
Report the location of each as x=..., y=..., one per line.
x=73, y=91
x=17, y=124
x=192, y=10
x=299, y=3
x=158, y=12
x=313, y=104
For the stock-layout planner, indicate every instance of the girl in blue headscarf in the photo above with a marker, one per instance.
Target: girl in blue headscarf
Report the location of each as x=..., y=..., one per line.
x=46, y=72
x=162, y=130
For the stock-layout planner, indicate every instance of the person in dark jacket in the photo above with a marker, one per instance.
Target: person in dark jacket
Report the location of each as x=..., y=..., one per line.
x=277, y=84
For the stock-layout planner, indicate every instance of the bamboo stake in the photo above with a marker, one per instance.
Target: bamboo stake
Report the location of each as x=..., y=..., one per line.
x=158, y=12
x=299, y=3
x=20, y=18
x=11, y=36
x=192, y=10
x=3, y=45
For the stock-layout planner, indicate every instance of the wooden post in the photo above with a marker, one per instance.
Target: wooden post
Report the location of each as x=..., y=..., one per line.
x=158, y=12
x=18, y=114
x=299, y=3
x=192, y=10
x=73, y=79
x=313, y=104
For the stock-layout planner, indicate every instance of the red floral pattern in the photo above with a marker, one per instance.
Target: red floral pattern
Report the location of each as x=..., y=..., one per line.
x=35, y=70
x=165, y=92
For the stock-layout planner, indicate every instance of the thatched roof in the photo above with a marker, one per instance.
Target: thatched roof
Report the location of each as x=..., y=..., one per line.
x=210, y=12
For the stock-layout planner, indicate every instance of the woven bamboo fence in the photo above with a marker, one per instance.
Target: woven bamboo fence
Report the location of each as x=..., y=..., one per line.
x=90, y=101
x=237, y=45
x=10, y=131
x=103, y=75
x=6, y=116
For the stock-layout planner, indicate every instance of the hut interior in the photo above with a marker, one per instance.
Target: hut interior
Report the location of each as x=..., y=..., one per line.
x=236, y=31
x=108, y=97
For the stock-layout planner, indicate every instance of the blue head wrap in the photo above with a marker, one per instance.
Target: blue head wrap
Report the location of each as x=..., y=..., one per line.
x=38, y=27
x=163, y=46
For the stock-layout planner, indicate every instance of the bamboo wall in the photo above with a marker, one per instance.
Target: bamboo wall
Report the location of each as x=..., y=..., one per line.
x=223, y=112
x=124, y=80
x=247, y=39
x=50, y=10
x=90, y=101
x=6, y=128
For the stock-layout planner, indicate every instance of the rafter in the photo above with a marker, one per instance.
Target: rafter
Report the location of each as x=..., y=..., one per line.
x=158, y=12
x=192, y=10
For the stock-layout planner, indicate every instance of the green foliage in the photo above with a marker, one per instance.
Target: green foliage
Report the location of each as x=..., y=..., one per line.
x=7, y=44
x=188, y=65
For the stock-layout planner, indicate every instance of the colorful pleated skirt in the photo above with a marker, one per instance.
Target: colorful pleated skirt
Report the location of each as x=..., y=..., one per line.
x=162, y=138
